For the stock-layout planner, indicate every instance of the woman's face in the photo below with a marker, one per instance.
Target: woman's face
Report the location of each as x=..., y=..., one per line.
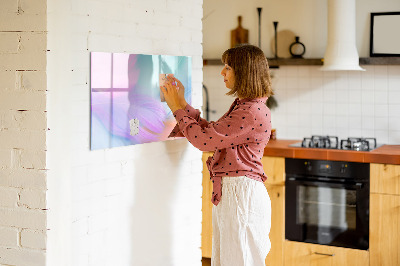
x=229, y=76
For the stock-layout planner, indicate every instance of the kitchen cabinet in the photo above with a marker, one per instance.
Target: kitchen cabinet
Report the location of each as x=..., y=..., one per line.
x=385, y=178
x=305, y=254
x=206, y=225
x=274, y=168
x=385, y=215
x=277, y=233
x=385, y=230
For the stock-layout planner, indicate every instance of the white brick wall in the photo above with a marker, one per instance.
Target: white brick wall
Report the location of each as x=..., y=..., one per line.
x=99, y=204
x=34, y=239
x=23, y=132
x=133, y=205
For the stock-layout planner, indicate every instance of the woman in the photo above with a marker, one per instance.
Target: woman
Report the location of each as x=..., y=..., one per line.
x=242, y=208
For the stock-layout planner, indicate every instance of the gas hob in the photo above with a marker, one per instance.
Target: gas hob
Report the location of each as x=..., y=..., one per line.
x=332, y=142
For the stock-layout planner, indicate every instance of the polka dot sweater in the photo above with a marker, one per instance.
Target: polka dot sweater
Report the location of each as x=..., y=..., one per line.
x=238, y=139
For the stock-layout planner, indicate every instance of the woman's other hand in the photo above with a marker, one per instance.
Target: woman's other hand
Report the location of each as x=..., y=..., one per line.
x=181, y=90
x=172, y=94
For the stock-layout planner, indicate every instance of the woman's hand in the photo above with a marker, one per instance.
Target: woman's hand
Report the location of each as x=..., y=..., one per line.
x=172, y=95
x=181, y=91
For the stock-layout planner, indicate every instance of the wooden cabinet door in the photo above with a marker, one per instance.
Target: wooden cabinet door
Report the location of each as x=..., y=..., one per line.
x=304, y=254
x=385, y=178
x=274, y=168
x=206, y=226
x=277, y=233
x=384, y=237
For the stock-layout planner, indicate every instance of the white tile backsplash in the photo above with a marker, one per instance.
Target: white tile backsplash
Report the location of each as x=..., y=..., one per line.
x=394, y=82
x=381, y=110
x=394, y=123
x=394, y=97
x=380, y=71
x=342, y=96
x=367, y=96
x=394, y=137
x=381, y=97
x=292, y=82
x=345, y=103
x=394, y=110
x=381, y=84
x=329, y=109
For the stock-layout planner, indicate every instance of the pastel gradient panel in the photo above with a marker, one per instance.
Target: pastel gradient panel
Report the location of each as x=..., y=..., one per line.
x=126, y=108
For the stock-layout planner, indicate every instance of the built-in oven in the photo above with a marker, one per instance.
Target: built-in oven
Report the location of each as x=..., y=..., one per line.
x=327, y=202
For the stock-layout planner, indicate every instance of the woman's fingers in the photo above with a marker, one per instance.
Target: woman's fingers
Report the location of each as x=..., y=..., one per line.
x=169, y=87
x=180, y=85
x=180, y=90
x=171, y=94
x=164, y=90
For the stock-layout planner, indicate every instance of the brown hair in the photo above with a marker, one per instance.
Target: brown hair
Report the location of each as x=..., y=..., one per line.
x=250, y=66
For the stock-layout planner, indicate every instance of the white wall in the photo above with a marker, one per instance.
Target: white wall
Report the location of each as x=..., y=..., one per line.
x=23, y=133
x=306, y=19
x=311, y=102
x=133, y=205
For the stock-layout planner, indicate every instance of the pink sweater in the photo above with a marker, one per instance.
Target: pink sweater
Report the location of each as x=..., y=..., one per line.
x=238, y=139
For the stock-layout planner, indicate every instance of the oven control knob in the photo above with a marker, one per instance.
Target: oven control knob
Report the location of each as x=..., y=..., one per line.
x=308, y=166
x=343, y=168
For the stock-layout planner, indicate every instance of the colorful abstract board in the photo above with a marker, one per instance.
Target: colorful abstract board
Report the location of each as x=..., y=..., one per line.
x=126, y=102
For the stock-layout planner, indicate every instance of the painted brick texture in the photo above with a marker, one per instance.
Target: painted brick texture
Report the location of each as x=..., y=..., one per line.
x=22, y=131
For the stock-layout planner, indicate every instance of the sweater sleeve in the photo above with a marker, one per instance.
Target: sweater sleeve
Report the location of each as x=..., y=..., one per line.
x=193, y=113
x=231, y=130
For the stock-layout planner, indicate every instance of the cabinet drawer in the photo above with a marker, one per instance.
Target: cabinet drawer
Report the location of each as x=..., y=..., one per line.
x=304, y=254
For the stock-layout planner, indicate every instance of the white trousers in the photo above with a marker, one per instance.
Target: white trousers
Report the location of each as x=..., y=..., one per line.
x=241, y=223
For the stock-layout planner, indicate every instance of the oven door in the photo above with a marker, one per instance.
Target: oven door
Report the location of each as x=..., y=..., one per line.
x=327, y=213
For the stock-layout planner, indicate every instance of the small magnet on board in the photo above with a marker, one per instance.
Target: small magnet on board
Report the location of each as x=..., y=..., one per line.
x=134, y=126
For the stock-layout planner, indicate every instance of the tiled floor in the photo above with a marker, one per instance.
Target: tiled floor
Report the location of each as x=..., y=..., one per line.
x=206, y=261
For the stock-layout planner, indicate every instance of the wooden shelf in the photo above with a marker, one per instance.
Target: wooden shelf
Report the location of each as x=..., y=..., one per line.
x=294, y=62
x=380, y=61
x=274, y=63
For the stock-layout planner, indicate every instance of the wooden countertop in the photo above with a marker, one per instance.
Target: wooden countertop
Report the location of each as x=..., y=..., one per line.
x=389, y=154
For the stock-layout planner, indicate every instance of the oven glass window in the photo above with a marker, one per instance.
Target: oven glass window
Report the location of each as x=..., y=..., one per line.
x=326, y=207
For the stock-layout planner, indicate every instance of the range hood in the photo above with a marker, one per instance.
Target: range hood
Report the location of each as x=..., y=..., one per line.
x=341, y=51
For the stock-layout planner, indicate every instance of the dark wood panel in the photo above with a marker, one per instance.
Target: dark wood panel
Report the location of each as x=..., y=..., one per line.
x=380, y=61
x=314, y=61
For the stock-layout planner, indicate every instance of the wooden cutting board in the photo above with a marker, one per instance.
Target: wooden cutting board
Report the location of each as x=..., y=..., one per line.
x=239, y=35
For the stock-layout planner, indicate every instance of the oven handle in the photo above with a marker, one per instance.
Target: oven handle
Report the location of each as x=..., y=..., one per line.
x=357, y=185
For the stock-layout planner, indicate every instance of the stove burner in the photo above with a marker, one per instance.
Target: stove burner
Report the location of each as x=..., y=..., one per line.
x=328, y=142
x=358, y=144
